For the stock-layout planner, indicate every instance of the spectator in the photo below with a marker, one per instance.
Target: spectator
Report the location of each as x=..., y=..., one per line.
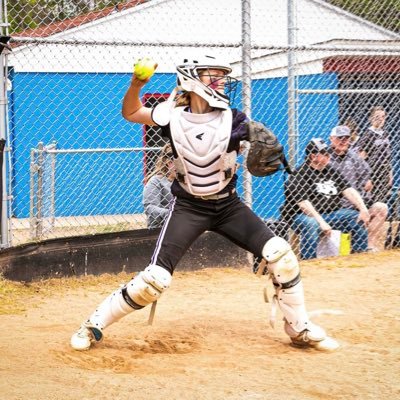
x=357, y=172
x=374, y=147
x=354, y=130
x=313, y=203
x=157, y=194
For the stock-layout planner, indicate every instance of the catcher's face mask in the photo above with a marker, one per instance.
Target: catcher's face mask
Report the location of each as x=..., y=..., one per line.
x=209, y=78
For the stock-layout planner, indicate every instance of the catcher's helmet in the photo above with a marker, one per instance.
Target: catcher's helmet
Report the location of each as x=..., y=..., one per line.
x=189, y=80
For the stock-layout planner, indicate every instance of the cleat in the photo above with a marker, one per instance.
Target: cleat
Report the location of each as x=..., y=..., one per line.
x=85, y=336
x=303, y=340
x=313, y=337
x=328, y=344
x=312, y=333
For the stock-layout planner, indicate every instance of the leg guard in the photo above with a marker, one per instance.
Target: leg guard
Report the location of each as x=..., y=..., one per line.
x=285, y=271
x=142, y=290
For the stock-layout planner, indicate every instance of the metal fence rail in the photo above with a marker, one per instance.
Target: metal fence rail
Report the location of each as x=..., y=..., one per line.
x=44, y=219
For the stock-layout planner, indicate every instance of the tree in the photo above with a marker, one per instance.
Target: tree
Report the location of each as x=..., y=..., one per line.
x=25, y=14
x=29, y=14
x=385, y=13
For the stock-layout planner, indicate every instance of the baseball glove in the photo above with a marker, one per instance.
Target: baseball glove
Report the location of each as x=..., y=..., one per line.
x=265, y=155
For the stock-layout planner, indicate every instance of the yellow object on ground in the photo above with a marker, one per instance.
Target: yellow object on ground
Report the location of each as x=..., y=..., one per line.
x=345, y=244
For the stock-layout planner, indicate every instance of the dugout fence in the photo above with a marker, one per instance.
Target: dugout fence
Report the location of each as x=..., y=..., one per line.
x=74, y=166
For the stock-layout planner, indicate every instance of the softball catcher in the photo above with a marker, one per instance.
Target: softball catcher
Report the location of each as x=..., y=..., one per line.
x=205, y=135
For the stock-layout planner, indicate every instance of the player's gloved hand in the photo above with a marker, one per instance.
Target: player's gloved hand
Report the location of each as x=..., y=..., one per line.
x=265, y=155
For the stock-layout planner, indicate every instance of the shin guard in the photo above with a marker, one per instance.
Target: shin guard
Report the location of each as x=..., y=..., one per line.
x=143, y=289
x=285, y=271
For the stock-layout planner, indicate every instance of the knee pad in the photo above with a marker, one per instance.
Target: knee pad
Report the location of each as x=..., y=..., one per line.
x=282, y=262
x=379, y=209
x=147, y=286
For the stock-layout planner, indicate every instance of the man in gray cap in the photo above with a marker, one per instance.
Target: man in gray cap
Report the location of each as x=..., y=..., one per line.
x=313, y=206
x=358, y=173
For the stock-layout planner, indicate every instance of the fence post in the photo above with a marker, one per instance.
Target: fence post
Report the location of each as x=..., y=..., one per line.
x=36, y=192
x=39, y=197
x=246, y=97
x=32, y=205
x=246, y=87
x=292, y=85
x=53, y=146
x=4, y=49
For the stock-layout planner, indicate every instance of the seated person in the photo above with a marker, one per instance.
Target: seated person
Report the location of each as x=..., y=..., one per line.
x=313, y=207
x=357, y=171
x=157, y=195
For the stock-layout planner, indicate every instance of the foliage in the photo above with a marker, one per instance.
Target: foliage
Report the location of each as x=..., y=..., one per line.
x=26, y=14
x=385, y=13
x=29, y=14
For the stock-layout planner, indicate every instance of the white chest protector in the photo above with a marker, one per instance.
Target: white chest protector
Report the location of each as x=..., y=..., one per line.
x=203, y=165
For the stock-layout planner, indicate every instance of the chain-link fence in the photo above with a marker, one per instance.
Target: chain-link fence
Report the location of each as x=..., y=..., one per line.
x=74, y=166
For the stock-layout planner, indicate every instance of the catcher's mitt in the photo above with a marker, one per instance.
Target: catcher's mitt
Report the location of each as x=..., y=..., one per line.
x=265, y=155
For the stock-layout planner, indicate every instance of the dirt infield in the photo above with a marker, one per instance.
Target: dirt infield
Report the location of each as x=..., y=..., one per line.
x=210, y=340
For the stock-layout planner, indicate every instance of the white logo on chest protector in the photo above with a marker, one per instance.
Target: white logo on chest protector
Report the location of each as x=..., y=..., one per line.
x=327, y=188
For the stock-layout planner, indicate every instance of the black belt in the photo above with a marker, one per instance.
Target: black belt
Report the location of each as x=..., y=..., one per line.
x=216, y=196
